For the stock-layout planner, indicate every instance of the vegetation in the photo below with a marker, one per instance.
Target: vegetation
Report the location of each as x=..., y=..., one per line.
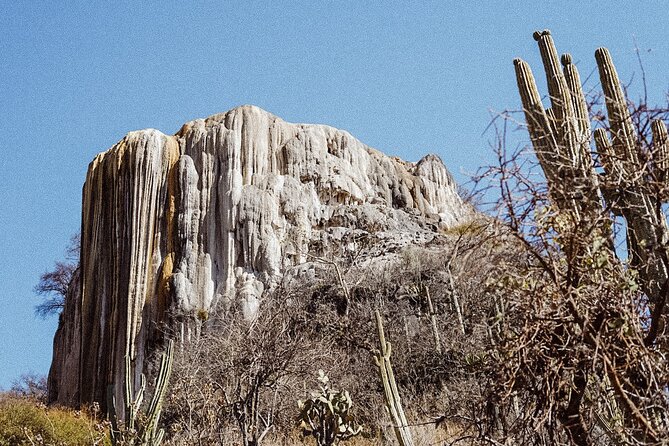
x=581, y=356
x=24, y=421
x=138, y=428
x=237, y=383
x=393, y=402
x=532, y=327
x=29, y=386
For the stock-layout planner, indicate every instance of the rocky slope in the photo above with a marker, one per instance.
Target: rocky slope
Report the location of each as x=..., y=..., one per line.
x=176, y=227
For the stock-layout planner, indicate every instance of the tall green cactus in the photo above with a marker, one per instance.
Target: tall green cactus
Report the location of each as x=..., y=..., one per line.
x=392, y=396
x=561, y=138
x=140, y=429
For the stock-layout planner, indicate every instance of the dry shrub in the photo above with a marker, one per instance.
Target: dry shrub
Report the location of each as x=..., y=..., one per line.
x=239, y=380
x=242, y=379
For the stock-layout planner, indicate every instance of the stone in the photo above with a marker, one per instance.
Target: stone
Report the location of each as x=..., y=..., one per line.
x=211, y=218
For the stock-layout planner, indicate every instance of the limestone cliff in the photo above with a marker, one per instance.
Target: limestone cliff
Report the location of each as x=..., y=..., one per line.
x=211, y=218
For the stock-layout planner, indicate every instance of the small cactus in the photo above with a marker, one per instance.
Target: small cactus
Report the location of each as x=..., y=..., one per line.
x=325, y=416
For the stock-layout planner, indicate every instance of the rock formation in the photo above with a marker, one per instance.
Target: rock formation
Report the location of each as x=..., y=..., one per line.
x=213, y=217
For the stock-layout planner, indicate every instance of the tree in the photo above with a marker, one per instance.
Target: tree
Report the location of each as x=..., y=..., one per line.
x=31, y=386
x=53, y=285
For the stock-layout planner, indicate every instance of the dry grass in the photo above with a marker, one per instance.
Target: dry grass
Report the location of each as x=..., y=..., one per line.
x=27, y=422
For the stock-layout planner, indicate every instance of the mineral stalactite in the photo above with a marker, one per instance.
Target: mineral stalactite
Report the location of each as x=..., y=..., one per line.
x=209, y=219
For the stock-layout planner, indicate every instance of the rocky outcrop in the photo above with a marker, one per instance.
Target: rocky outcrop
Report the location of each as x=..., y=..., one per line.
x=211, y=218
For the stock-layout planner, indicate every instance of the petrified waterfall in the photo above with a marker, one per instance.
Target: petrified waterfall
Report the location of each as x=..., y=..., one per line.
x=213, y=217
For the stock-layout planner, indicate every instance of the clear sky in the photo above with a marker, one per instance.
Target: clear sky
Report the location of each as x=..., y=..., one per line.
x=407, y=78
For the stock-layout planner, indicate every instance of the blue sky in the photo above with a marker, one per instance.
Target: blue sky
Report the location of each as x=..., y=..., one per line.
x=405, y=77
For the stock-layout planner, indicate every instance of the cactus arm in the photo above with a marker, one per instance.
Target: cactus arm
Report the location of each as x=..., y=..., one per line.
x=622, y=130
x=162, y=381
x=538, y=122
x=113, y=419
x=661, y=151
x=380, y=360
x=137, y=402
x=382, y=334
x=155, y=407
x=584, y=161
x=397, y=400
x=159, y=437
x=558, y=90
x=579, y=104
x=128, y=394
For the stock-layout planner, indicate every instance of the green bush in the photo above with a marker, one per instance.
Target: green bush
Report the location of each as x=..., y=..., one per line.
x=27, y=422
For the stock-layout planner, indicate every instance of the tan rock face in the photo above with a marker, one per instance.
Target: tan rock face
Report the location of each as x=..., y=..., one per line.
x=213, y=217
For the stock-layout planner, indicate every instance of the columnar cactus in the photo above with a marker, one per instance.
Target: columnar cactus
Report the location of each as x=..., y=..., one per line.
x=560, y=134
x=141, y=429
x=561, y=138
x=661, y=153
x=392, y=396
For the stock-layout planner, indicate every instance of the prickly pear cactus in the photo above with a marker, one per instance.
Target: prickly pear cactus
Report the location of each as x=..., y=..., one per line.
x=325, y=416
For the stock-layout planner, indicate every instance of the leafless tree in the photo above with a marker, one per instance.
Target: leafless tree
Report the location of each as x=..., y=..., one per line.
x=54, y=284
x=31, y=386
x=238, y=373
